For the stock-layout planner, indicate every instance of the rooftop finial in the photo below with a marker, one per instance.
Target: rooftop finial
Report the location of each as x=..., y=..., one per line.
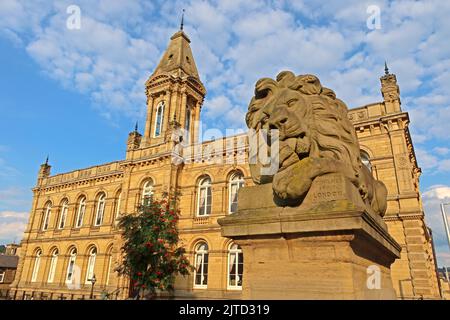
x=46, y=161
x=182, y=21
x=386, y=69
x=136, y=127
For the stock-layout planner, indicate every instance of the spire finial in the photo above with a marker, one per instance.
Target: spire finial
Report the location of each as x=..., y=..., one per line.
x=386, y=69
x=46, y=161
x=136, y=127
x=182, y=21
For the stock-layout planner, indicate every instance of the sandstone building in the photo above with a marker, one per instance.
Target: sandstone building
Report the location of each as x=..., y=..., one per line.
x=8, y=265
x=72, y=232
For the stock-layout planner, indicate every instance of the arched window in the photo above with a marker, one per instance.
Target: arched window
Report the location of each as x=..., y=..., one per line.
x=80, y=212
x=63, y=214
x=188, y=124
x=37, y=264
x=71, y=266
x=365, y=159
x=53, y=263
x=47, y=216
x=236, y=182
x=201, y=265
x=147, y=192
x=235, y=267
x=159, y=120
x=91, y=264
x=204, y=197
x=108, y=271
x=118, y=202
x=100, y=210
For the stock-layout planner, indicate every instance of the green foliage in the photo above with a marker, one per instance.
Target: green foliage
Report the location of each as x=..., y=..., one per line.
x=152, y=257
x=2, y=249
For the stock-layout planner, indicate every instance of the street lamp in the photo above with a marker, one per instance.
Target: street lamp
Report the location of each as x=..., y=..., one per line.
x=92, y=280
x=444, y=216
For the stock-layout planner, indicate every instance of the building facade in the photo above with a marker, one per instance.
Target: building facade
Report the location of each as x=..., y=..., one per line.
x=72, y=232
x=8, y=266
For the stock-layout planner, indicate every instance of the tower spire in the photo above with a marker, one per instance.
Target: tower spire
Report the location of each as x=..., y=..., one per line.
x=46, y=161
x=386, y=69
x=136, y=127
x=182, y=21
x=178, y=59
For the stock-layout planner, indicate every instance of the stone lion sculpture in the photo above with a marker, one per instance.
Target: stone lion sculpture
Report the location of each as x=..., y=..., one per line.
x=315, y=138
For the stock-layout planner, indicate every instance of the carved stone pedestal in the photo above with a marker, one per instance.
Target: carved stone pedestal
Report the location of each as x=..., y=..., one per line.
x=330, y=247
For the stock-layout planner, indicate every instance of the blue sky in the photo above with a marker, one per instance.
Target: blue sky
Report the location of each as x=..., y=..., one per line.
x=75, y=94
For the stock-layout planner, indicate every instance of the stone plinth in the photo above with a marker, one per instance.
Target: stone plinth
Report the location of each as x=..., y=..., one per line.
x=327, y=248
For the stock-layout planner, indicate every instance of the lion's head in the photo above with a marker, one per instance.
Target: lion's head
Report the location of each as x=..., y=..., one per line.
x=310, y=120
x=315, y=138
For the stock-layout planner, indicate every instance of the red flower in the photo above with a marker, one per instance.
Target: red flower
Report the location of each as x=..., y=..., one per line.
x=139, y=274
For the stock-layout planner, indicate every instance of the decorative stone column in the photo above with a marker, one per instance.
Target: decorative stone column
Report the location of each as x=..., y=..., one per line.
x=330, y=247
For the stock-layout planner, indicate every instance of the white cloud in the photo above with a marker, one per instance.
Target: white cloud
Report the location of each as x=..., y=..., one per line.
x=13, y=214
x=426, y=160
x=13, y=197
x=12, y=226
x=441, y=150
x=432, y=199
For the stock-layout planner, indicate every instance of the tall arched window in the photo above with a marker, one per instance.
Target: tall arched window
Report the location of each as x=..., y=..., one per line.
x=91, y=264
x=235, y=267
x=201, y=265
x=204, y=197
x=159, y=120
x=365, y=159
x=100, y=212
x=47, y=216
x=53, y=263
x=147, y=192
x=37, y=264
x=118, y=202
x=108, y=271
x=80, y=212
x=71, y=266
x=236, y=182
x=63, y=214
x=188, y=124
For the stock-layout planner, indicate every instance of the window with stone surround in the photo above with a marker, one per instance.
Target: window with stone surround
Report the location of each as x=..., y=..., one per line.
x=159, y=119
x=201, y=265
x=53, y=263
x=235, y=267
x=365, y=159
x=71, y=266
x=236, y=182
x=80, y=212
x=63, y=214
x=118, y=202
x=100, y=212
x=147, y=192
x=204, y=197
x=91, y=265
x=37, y=265
x=47, y=216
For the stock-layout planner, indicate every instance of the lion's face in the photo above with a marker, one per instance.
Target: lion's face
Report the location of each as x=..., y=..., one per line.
x=289, y=112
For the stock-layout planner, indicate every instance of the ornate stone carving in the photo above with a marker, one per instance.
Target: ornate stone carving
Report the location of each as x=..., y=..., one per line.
x=315, y=138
